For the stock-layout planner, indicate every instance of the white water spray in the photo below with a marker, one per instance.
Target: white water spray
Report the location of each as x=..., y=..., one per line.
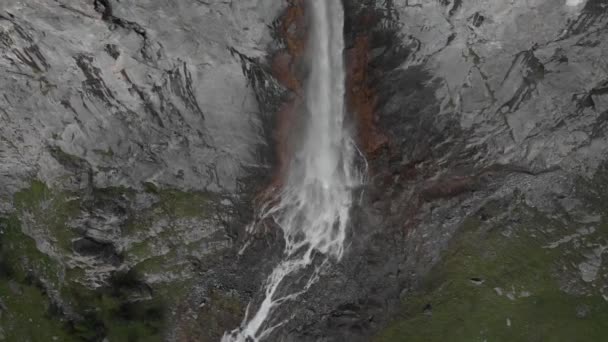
x=313, y=208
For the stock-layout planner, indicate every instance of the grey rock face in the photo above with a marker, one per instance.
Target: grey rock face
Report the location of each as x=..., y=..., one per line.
x=130, y=143
x=133, y=136
x=150, y=93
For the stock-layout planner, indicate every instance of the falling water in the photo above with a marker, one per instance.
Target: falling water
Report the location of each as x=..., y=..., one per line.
x=313, y=207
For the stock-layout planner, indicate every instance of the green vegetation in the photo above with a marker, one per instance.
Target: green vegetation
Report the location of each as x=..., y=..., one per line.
x=29, y=312
x=172, y=204
x=497, y=283
x=26, y=274
x=19, y=256
x=26, y=308
x=26, y=315
x=42, y=299
x=50, y=211
x=111, y=312
x=185, y=204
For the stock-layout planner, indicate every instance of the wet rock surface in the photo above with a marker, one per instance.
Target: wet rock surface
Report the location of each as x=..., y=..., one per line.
x=486, y=111
x=136, y=141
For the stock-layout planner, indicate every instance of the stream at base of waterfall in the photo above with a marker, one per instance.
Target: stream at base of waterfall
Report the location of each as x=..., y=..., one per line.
x=314, y=205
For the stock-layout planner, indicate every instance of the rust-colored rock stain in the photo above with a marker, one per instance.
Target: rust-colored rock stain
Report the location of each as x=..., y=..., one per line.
x=285, y=66
x=361, y=96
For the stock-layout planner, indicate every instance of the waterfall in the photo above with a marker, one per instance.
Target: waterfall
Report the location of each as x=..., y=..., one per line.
x=314, y=205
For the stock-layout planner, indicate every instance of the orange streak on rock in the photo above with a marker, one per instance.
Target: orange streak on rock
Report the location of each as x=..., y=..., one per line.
x=361, y=98
x=281, y=70
x=293, y=27
x=285, y=64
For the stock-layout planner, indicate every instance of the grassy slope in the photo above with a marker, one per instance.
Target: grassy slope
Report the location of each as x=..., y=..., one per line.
x=508, y=254
x=28, y=276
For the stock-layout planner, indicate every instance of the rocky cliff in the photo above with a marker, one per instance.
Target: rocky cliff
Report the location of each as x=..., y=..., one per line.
x=137, y=139
x=130, y=142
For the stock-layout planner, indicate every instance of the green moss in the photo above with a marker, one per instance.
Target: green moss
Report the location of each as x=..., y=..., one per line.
x=27, y=315
x=497, y=283
x=108, y=312
x=174, y=290
x=173, y=205
x=156, y=265
x=104, y=312
x=25, y=273
x=19, y=256
x=50, y=210
x=150, y=187
x=141, y=250
x=185, y=204
x=125, y=310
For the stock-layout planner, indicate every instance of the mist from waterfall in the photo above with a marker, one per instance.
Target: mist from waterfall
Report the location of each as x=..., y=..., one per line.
x=314, y=205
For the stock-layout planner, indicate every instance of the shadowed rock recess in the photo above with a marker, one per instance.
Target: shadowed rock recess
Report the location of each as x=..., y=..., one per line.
x=138, y=139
